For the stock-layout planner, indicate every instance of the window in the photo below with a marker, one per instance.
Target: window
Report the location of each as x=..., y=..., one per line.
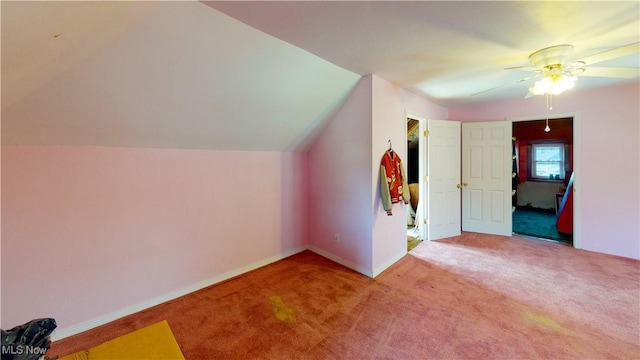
x=547, y=161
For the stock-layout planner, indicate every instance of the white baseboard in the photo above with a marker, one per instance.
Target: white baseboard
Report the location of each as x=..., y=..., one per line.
x=377, y=271
x=341, y=261
x=106, y=318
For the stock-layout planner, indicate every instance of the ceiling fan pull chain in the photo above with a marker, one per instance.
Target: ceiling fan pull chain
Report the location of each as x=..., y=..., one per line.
x=547, y=128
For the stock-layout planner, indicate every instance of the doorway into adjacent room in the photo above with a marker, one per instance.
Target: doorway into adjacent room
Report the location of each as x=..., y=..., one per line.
x=413, y=179
x=543, y=165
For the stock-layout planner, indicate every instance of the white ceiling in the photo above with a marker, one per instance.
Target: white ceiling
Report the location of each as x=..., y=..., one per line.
x=447, y=50
x=189, y=75
x=160, y=75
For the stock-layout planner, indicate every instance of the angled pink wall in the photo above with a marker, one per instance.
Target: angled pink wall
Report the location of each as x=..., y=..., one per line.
x=93, y=231
x=609, y=159
x=340, y=183
x=391, y=104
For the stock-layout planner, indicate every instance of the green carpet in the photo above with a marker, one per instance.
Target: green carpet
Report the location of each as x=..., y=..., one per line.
x=539, y=223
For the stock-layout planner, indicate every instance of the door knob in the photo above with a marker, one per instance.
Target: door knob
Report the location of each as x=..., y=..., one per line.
x=458, y=186
x=465, y=184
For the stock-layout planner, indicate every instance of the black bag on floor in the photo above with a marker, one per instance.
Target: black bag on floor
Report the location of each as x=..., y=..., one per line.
x=29, y=341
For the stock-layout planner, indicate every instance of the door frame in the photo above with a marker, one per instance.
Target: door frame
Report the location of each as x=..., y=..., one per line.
x=422, y=186
x=576, y=165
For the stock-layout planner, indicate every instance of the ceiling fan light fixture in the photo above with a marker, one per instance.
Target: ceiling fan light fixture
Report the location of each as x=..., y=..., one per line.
x=551, y=56
x=577, y=64
x=576, y=71
x=555, y=84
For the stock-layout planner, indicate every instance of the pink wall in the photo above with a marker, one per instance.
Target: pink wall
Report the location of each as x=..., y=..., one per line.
x=344, y=176
x=609, y=159
x=95, y=230
x=90, y=231
x=340, y=183
x=391, y=104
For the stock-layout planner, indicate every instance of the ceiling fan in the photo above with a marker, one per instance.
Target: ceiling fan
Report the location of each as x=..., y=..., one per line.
x=556, y=72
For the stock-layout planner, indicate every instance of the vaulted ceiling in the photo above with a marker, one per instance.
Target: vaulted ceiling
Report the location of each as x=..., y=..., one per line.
x=266, y=75
x=449, y=51
x=157, y=74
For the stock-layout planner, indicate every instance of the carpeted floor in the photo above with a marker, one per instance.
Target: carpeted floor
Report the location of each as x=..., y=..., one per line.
x=470, y=297
x=538, y=223
x=152, y=342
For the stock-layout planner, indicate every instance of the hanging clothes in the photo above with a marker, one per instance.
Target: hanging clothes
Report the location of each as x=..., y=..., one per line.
x=393, y=181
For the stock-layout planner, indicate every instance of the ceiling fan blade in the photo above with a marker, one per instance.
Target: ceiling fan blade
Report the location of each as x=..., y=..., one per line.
x=611, y=72
x=503, y=85
x=523, y=68
x=612, y=54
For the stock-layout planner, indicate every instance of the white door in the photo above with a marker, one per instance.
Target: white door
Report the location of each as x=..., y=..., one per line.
x=486, y=177
x=443, y=179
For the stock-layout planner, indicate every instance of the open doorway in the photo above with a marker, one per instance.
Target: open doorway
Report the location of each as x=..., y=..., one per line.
x=413, y=179
x=543, y=166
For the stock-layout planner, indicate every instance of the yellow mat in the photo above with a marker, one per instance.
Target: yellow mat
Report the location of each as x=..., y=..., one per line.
x=152, y=342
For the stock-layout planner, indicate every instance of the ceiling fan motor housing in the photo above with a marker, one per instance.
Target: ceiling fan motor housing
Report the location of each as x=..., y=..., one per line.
x=554, y=55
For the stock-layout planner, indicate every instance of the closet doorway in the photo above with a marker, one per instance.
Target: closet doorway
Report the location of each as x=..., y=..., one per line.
x=437, y=213
x=413, y=179
x=544, y=175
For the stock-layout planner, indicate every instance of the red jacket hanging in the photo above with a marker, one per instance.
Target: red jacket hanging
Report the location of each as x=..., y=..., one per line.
x=393, y=182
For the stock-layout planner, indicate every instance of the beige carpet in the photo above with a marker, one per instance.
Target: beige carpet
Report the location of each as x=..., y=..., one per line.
x=413, y=237
x=412, y=242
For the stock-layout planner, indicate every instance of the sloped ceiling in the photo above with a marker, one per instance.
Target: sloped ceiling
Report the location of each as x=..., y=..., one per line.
x=157, y=74
x=448, y=51
x=266, y=75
